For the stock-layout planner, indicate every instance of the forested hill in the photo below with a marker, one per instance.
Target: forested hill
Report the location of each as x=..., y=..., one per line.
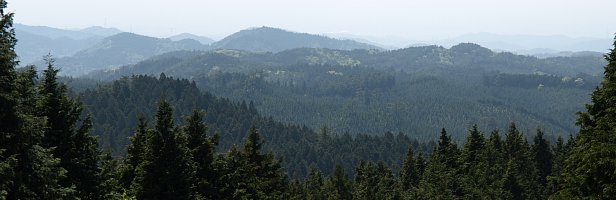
x=116, y=107
x=120, y=49
x=415, y=90
x=268, y=39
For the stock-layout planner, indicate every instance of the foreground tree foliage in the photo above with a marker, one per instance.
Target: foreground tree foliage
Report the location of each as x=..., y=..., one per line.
x=47, y=152
x=590, y=171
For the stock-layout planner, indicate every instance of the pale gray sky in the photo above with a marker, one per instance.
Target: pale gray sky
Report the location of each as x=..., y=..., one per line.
x=417, y=20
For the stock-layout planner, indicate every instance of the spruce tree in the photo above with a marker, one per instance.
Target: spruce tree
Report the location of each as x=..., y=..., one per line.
x=27, y=170
x=489, y=170
x=441, y=179
x=313, y=184
x=135, y=152
x=521, y=177
x=469, y=162
x=338, y=185
x=590, y=170
x=543, y=157
x=68, y=136
x=409, y=177
x=202, y=151
x=166, y=169
x=269, y=179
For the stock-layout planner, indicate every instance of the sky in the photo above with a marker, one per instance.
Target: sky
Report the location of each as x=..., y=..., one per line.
x=409, y=19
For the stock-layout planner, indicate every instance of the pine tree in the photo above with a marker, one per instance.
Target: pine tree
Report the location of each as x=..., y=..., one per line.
x=590, y=170
x=388, y=187
x=135, y=152
x=166, y=170
x=366, y=181
x=202, y=150
x=490, y=168
x=469, y=161
x=542, y=155
x=27, y=170
x=441, y=179
x=338, y=185
x=269, y=180
x=409, y=177
x=521, y=177
x=313, y=184
x=72, y=144
x=110, y=174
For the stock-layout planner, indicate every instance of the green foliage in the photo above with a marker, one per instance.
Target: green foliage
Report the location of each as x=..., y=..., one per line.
x=543, y=157
x=69, y=141
x=166, y=168
x=338, y=185
x=589, y=171
x=410, y=175
x=114, y=108
x=202, y=151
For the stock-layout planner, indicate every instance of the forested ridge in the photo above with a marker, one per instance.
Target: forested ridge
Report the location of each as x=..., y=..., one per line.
x=187, y=144
x=416, y=90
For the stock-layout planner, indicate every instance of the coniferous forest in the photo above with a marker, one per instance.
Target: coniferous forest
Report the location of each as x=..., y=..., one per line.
x=147, y=137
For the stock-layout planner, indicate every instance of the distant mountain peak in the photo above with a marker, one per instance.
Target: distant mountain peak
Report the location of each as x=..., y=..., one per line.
x=270, y=39
x=201, y=39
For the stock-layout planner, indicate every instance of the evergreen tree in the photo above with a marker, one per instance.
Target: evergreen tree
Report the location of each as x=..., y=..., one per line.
x=69, y=141
x=441, y=179
x=166, y=169
x=110, y=174
x=313, y=185
x=202, y=150
x=338, y=185
x=27, y=170
x=366, y=181
x=270, y=179
x=387, y=187
x=542, y=155
x=489, y=170
x=409, y=177
x=135, y=152
x=469, y=161
x=590, y=170
x=521, y=180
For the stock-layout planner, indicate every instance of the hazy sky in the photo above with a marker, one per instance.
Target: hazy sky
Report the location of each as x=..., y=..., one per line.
x=418, y=20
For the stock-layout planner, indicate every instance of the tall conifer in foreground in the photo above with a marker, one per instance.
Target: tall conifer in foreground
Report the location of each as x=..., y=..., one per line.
x=166, y=169
x=590, y=170
x=27, y=170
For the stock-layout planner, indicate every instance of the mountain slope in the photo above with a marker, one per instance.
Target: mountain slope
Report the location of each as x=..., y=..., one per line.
x=415, y=90
x=121, y=49
x=267, y=39
x=201, y=39
x=36, y=41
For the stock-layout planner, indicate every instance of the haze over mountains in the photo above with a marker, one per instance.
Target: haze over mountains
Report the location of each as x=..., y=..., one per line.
x=72, y=47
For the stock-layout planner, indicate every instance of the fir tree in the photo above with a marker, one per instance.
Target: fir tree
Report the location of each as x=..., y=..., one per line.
x=27, y=170
x=69, y=140
x=166, y=170
x=202, y=150
x=542, y=155
x=409, y=177
x=313, y=185
x=338, y=185
x=135, y=152
x=590, y=170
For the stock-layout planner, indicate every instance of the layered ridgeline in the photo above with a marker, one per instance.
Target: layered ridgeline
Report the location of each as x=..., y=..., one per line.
x=36, y=41
x=87, y=50
x=268, y=39
x=415, y=90
x=121, y=49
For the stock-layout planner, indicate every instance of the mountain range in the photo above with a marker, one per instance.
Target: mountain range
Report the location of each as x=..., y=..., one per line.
x=79, y=51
